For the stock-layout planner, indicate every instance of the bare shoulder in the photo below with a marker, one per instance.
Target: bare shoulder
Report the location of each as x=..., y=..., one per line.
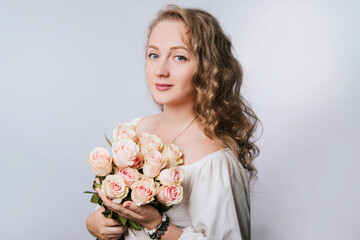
x=198, y=147
x=146, y=124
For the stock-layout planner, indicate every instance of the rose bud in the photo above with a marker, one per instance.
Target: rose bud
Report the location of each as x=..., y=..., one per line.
x=174, y=175
x=172, y=155
x=100, y=161
x=143, y=191
x=129, y=175
x=153, y=163
x=139, y=161
x=124, y=131
x=169, y=195
x=142, y=138
x=155, y=158
x=125, y=152
x=151, y=170
x=114, y=187
x=144, y=149
x=153, y=142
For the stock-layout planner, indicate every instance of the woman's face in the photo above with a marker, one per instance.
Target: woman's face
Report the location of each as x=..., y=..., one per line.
x=170, y=65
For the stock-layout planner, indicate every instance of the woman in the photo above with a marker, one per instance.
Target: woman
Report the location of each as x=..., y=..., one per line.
x=196, y=80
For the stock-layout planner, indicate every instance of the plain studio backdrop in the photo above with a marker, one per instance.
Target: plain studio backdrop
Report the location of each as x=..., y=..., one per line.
x=70, y=71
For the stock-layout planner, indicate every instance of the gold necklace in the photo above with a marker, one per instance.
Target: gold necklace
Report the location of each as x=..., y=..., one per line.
x=178, y=135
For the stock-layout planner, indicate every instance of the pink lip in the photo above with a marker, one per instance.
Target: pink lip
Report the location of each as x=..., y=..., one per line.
x=163, y=87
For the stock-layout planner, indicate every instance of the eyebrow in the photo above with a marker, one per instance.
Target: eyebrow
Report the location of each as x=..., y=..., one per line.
x=172, y=48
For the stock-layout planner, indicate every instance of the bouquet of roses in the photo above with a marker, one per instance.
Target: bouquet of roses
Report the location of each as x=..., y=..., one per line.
x=141, y=169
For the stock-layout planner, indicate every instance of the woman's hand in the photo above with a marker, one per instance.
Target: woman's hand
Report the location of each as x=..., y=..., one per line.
x=102, y=227
x=146, y=215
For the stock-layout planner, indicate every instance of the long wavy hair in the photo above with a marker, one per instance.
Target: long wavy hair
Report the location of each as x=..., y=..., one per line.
x=221, y=109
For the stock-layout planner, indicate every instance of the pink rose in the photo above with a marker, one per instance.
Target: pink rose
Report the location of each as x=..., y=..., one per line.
x=114, y=187
x=125, y=152
x=144, y=149
x=139, y=161
x=150, y=170
x=169, y=195
x=172, y=155
x=124, y=130
x=153, y=142
x=154, y=161
x=142, y=137
x=100, y=161
x=174, y=175
x=129, y=175
x=155, y=158
x=143, y=191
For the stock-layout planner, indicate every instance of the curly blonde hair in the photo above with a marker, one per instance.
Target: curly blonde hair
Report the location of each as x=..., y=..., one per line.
x=222, y=111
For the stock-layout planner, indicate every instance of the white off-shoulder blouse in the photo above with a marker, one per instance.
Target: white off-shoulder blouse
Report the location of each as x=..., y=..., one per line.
x=216, y=203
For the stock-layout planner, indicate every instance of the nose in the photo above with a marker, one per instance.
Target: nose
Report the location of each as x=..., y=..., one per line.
x=162, y=69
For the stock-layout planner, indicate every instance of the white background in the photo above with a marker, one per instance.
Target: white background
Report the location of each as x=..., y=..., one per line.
x=70, y=71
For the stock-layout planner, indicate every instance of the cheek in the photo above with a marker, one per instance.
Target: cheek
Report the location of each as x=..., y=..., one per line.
x=187, y=80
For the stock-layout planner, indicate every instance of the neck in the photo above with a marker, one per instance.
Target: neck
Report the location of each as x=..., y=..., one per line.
x=176, y=115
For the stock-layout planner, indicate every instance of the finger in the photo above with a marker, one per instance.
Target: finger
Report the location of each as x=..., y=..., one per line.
x=130, y=205
x=110, y=222
x=105, y=200
x=109, y=203
x=118, y=208
x=115, y=230
x=97, y=180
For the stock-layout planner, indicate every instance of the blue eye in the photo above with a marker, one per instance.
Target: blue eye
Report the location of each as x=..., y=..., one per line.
x=153, y=56
x=180, y=58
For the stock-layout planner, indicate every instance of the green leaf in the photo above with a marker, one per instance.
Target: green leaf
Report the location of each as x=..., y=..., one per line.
x=108, y=140
x=100, y=202
x=128, y=198
x=101, y=179
x=121, y=220
x=162, y=207
x=89, y=192
x=135, y=225
x=107, y=213
x=95, y=198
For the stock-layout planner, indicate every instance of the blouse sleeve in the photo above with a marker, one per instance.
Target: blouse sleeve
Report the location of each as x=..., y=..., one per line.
x=219, y=202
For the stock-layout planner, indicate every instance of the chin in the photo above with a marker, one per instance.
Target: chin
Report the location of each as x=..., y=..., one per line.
x=162, y=101
x=172, y=101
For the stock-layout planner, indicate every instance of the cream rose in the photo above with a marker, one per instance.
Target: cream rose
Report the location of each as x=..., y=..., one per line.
x=125, y=152
x=144, y=149
x=172, y=155
x=100, y=161
x=124, y=130
x=174, y=175
x=153, y=142
x=143, y=191
x=114, y=187
x=170, y=195
x=142, y=137
x=130, y=175
x=154, y=161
